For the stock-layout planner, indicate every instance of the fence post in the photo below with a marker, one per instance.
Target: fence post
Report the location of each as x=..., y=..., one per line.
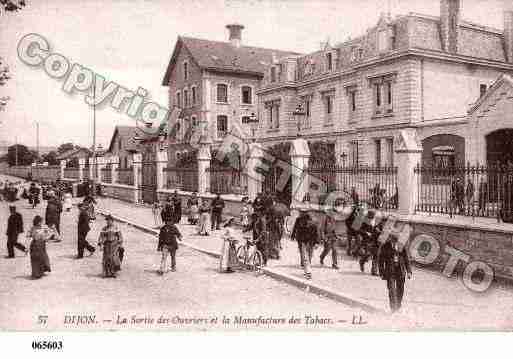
x=254, y=178
x=81, y=164
x=114, y=162
x=299, y=156
x=63, y=166
x=101, y=164
x=161, y=163
x=409, y=155
x=137, y=158
x=204, y=157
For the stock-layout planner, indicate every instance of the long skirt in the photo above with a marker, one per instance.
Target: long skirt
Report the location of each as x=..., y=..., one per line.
x=203, y=223
x=193, y=214
x=228, y=257
x=39, y=260
x=111, y=261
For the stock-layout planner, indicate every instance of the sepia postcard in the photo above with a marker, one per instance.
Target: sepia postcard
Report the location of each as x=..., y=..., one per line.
x=264, y=166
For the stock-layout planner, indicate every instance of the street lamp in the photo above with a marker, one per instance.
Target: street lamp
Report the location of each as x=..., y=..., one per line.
x=253, y=122
x=298, y=115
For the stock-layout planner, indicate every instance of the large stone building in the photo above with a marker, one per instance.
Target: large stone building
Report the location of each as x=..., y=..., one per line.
x=412, y=71
x=215, y=83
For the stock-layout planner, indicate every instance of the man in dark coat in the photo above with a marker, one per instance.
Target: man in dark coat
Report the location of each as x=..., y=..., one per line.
x=83, y=229
x=168, y=245
x=217, y=211
x=34, y=192
x=258, y=203
x=53, y=213
x=394, y=267
x=306, y=233
x=329, y=238
x=177, y=208
x=14, y=228
x=167, y=212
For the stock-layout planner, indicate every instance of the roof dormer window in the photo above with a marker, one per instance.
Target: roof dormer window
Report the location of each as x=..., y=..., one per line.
x=383, y=43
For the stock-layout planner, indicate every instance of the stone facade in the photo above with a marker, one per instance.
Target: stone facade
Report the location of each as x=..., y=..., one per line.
x=428, y=76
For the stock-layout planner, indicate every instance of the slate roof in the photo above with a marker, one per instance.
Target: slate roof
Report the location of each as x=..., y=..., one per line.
x=127, y=134
x=224, y=57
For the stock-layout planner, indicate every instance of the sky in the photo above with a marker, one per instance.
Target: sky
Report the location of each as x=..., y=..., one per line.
x=130, y=42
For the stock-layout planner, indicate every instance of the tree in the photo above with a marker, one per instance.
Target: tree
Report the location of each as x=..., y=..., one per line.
x=51, y=158
x=12, y=5
x=65, y=147
x=5, y=7
x=25, y=156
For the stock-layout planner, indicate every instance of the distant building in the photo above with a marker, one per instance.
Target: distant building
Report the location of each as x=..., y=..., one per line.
x=123, y=144
x=74, y=154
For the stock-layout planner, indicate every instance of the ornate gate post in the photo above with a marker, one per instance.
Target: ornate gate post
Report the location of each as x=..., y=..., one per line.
x=114, y=163
x=81, y=165
x=137, y=158
x=299, y=156
x=254, y=178
x=409, y=155
x=204, y=157
x=63, y=166
x=161, y=163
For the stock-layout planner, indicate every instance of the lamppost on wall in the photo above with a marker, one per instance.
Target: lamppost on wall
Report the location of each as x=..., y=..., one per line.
x=253, y=122
x=298, y=116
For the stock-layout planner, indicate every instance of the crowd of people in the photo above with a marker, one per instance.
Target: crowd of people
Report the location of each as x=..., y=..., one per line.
x=262, y=221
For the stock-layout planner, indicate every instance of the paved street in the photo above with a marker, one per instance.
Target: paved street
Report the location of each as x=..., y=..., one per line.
x=197, y=290
x=431, y=299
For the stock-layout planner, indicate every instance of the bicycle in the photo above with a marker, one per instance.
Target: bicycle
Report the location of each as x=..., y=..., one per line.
x=249, y=256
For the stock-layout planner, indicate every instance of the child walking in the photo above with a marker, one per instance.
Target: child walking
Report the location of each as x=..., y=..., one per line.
x=168, y=245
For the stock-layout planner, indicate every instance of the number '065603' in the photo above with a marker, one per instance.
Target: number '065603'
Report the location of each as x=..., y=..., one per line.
x=47, y=345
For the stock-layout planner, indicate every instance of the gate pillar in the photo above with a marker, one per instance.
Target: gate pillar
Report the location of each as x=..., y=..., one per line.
x=409, y=155
x=299, y=156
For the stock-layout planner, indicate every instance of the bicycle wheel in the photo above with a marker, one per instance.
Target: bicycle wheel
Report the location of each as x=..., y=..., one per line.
x=256, y=261
x=241, y=254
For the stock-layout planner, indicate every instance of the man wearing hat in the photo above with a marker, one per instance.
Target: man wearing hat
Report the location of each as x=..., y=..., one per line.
x=83, y=229
x=306, y=233
x=14, y=228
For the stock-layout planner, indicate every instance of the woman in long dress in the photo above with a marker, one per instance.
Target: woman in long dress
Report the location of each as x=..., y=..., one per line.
x=39, y=260
x=67, y=202
x=204, y=210
x=228, y=251
x=111, y=241
x=192, y=205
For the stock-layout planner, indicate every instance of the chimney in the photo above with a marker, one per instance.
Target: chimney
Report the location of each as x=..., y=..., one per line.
x=508, y=30
x=449, y=21
x=235, y=34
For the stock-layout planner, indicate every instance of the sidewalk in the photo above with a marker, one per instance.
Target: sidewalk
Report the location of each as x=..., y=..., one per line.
x=431, y=299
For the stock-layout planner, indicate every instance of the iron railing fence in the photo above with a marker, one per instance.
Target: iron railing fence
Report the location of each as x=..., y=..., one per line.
x=185, y=179
x=125, y=176
x=227, y=180
x=376, y=186
x=476, y=191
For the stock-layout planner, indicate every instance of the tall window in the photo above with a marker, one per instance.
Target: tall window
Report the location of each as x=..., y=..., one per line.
x=377, y=97
x=273, y=74
x=273, y=114
x=178, y=99
x=185, y=71
x=308, y=104
x=390, y=151
x=377, y=144
x=329, y=61
x=193, y=93
x=222, y=126
x=383, y=88
x=482, y=90
x=328, y=107
x=354, y=153
x=382, y=40
x=185, y=98
x=246, y=95
x=222, y=93
x=194, y=121
x=352, y=96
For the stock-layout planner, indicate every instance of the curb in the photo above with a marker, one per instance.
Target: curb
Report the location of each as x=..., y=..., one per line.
x=271, y=272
